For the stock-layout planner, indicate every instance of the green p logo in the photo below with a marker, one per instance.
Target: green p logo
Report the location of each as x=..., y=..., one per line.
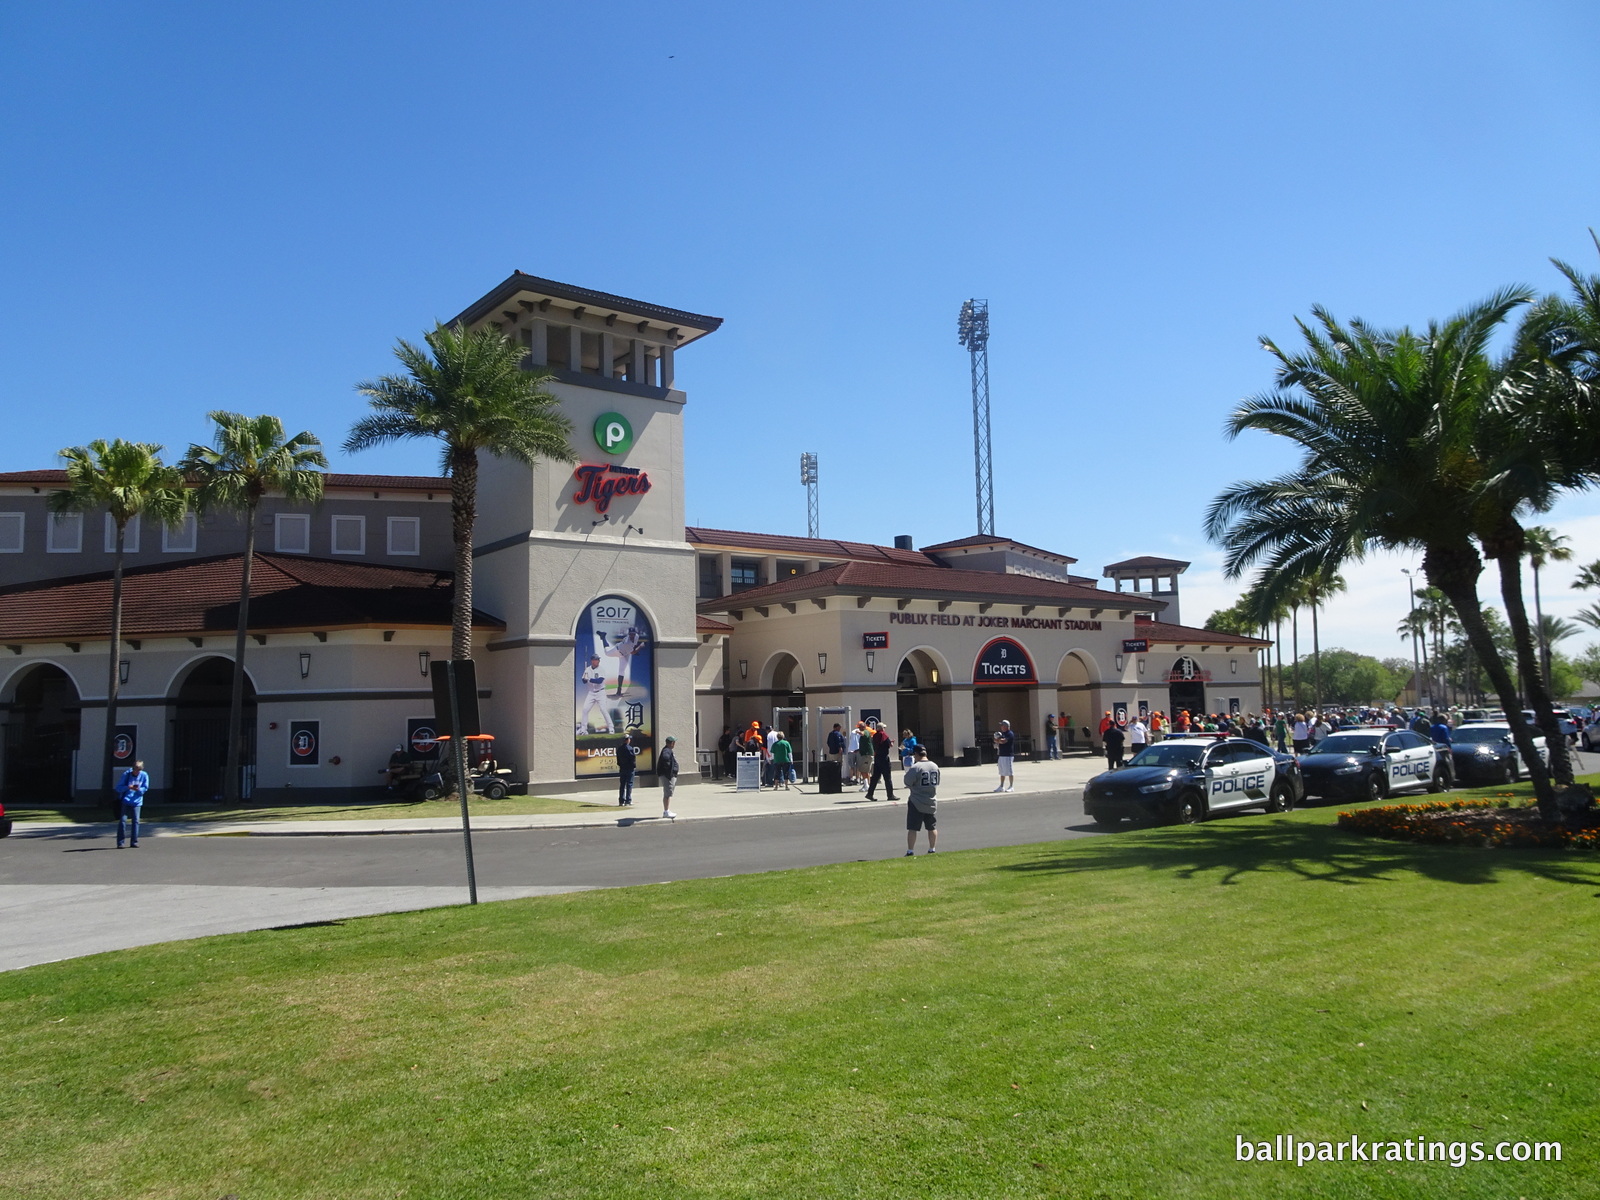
x=612, y=433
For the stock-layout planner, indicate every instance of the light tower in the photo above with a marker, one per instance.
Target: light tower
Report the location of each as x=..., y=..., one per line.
x=808, y=476
x=973, y=332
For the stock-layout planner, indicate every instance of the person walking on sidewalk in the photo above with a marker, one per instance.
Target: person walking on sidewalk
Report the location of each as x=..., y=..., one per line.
x=667, y=772
x=922, y=788
x=782, y=762
x=1051, y=746
x=1113, y=742
x=131, y=789
x=1005, y=748
x=882, y=764
x=627, y=760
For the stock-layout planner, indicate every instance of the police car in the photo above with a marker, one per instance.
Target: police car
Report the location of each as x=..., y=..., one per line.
x=1485, y=752
x=1373, y=762
x=1186, y=779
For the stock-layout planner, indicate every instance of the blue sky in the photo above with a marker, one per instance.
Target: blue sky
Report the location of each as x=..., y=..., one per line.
x=204, y=207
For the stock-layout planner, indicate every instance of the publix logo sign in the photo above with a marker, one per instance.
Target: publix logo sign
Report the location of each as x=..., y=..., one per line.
x=612, y=433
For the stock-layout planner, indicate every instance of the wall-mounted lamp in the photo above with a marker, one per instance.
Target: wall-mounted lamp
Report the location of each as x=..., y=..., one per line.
x=422, y=661
x=822, y=662
x=122, y=670
x=305, y=663
x=1141, y=665
x=1119, y=662
x=872, y=659
x=1233, y=666
x=744, y=668
x=933, y=674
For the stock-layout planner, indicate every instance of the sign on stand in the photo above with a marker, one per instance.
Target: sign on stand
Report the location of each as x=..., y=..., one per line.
x=747, y=775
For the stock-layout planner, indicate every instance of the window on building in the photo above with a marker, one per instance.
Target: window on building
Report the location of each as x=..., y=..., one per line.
x=180, y=539
x=130, y=538
x=293, y=533
x=65, y=534
x=710, y=577
x=13, y=525
x=349, y=535
x=746, y=573
x=405, y=535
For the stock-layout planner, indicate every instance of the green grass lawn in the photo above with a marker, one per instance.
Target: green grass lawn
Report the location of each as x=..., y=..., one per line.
x=511, y=806
x=1096, y=1018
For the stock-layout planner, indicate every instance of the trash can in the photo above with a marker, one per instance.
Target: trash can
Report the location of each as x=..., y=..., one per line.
x=828, y=778
x=971, y=756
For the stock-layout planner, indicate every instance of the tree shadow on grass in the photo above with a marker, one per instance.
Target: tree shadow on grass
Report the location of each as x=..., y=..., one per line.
x=1232, y=850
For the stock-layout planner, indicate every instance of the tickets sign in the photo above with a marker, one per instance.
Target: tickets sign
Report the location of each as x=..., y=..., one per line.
x=1003, y=661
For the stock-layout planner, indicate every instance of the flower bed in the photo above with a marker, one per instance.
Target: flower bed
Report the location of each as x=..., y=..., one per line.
x=1476, y=822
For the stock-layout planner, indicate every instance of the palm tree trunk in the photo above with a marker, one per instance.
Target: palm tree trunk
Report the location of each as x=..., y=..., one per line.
x=1316, y=660
x=1538, y=615
x=463, y=516
x=1277, y=686
x=1454, y=570
x=230, y=778
x=1294, y=629
x=1509, y=559
x=113, y=681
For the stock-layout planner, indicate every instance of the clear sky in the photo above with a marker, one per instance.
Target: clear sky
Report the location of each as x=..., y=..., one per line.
x=209, y=206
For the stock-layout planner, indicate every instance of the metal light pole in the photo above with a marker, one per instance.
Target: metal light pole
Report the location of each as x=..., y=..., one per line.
x=972, y=330
x=808, y=476
x=1416, y=666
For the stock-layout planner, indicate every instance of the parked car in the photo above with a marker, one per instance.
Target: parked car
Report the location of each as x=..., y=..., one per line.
x=1497, y=736
x=1186, y=779
x=1591, y=731
x=5, y=822
x=1567, y=723
x=1373, y=762
x=1484, y=753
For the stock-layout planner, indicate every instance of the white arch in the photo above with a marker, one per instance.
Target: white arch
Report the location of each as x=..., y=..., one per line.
x=1091, y=667
x=8, y=686
x=577, y=615
x=175, y=680
x=940, y=662
x=765, y=678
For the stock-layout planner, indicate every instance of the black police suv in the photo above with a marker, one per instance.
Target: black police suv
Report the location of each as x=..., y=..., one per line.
x=1187, y=779
x=1371, y=763
x=1484, y=753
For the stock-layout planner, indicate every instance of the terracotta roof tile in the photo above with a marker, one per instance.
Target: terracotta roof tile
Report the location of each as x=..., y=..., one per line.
x=1145, y=560
x=800, y=547
x=891, y=579
x=981, y=539
x=710, y=625
x=1161, y=631
x=202, y=596
x=390, y=483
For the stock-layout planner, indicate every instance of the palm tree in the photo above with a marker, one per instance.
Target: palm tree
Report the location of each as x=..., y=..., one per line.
x=1553, y=630
x=249, y=458
x=1544, y=545
x=1589, y=616
x=1388, y=423
x=127, y=480
x=1434, y=609
x=1588, y=577
x=472, y=394
x=1318, y=588
x=1414, y=625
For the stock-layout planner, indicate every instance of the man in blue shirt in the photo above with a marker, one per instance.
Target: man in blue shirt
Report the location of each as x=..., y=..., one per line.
x=131, y=789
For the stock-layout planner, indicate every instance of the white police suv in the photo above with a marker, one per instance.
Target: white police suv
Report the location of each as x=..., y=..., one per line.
x=1185, y=779
x=1373, y=762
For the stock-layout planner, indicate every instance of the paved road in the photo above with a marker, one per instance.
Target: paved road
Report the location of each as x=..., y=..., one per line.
x=56, y=892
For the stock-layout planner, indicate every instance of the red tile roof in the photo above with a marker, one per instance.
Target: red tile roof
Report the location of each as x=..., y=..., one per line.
x=1144, y=560
x=891, y=579
x=202, y=596
x=332, y=479
x=799, y=547
x=709, y=625
x=1160, y=631
x=981, y=539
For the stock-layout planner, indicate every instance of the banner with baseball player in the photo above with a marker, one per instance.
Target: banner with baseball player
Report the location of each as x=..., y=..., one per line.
x=615, y=688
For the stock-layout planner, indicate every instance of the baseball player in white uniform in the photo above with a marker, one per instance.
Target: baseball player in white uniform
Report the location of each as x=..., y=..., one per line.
x=594, y=681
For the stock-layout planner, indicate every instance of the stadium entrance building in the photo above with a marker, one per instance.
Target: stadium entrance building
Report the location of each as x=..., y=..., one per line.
x=598, y=611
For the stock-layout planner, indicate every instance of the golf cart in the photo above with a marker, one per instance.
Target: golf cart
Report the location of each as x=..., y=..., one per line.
x=485, y=776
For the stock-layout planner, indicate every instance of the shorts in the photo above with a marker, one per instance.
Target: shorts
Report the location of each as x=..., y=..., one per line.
x=917, y=819
x=669, y=785
x=1005, y=765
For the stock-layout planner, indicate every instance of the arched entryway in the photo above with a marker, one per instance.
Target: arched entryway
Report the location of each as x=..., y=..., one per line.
x=200, y=732
x=920, y=685
x=1186, y=687
x=41, y=736
x=1076, y=680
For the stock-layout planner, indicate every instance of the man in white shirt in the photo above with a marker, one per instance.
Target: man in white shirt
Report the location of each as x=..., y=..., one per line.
x=1138, y=735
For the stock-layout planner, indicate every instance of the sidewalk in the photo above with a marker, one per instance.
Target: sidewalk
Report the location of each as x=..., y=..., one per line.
x=700, y=801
